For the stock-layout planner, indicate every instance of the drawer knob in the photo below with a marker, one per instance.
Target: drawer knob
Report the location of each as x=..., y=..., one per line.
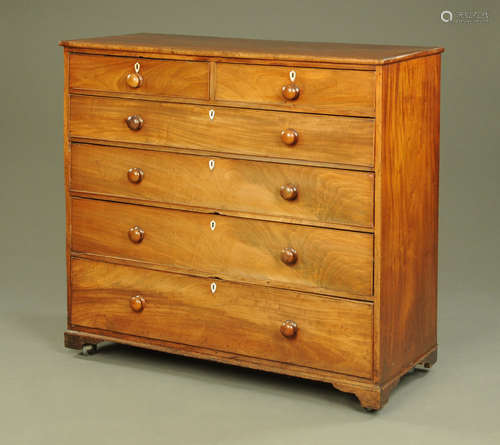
x=289, y=256
x=288, y=192
x=135, y=234
x=135, y=175
x=290, y=91
x=134, y=80
x=288, y=328
x=137, y=303
x=289, y=136
x=135, y=122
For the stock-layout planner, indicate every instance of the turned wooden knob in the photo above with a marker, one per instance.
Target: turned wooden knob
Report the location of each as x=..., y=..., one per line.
x=289, y=136
x=288, y=192
x=135, y=175
x=137, y=303
x=135, y=234
x=288, y=328
x=135, y=122
x=290, y=91
x=134, y=80
x=289, y=256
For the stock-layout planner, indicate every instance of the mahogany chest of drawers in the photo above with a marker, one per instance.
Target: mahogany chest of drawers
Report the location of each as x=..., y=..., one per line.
x=266, y=204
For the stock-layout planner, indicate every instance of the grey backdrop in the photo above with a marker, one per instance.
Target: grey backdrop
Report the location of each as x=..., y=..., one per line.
x=122, y=395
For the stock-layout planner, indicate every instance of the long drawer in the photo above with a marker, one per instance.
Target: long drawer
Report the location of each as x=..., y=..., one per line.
x=274, y=134
x=309, y=194
x=286, y=255
x=323, y=332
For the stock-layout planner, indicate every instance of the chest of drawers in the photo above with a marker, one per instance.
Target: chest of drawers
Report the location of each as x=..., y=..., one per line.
x=265, y=204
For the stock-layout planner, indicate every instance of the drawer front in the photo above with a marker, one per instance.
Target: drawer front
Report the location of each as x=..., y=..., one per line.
x=325, y=260
x=318, y=195
x=332, y=139
x=332, y=334
x=170, y=78
x=345, y=92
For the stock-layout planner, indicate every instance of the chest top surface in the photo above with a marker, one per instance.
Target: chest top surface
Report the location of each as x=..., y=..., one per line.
x=203, y=46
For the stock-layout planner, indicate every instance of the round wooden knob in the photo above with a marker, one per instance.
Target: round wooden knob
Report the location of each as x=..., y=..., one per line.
x=135, y=122
x=289, y=256
x=289, y=136
x=290, y=91
x=134, y=80
x=135, y=234
x=137, y=303
x=135, y=175
x=288, y=192
x=288, y=328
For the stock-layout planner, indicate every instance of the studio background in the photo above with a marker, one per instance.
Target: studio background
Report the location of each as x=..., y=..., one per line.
x=125, y=395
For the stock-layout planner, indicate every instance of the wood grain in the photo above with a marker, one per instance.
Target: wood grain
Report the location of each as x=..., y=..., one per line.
x=332, y=139
x=406, y=232
x=343, y=92
x=215, y=59
x=170, y=78
x=205, y=46
x=239, y=249
x=322, y=195
x=332, y=334
x=67, y=181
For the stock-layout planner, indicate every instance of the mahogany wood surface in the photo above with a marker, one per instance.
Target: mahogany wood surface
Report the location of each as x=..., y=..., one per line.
x=237, y=248
x=260, y=203
x=67, y=180
x=159, y=77
x=330, y=333
x=316, y=194
x=205, y=46
x=407, y=215
x=335, y=139
x=342, y=92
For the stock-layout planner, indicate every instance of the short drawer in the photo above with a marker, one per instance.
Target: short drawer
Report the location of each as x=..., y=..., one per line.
x=286, y=255
x=169, y=78
x=271, y=134
x=306, y=194
x=345, y=92
x=324, y=333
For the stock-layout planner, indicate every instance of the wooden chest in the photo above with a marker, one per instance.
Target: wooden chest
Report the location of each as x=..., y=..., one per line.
x=266, y=204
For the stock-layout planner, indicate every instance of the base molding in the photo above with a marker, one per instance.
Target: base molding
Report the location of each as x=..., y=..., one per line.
x=77, y=340
x=371, y=396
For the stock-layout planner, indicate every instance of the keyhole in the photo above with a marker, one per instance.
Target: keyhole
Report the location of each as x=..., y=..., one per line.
x=211, y=164
x=213, y=287
x=212, y=225
x=137, y=67
x=293, y=75
x=211, y=114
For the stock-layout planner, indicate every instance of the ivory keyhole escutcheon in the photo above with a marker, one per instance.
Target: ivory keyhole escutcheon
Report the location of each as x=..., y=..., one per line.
x=212, y=225
x=211, y=164
x=213, y=287
x=211, y=114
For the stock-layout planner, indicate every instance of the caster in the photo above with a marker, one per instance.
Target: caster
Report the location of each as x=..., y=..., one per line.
x=89, y=349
